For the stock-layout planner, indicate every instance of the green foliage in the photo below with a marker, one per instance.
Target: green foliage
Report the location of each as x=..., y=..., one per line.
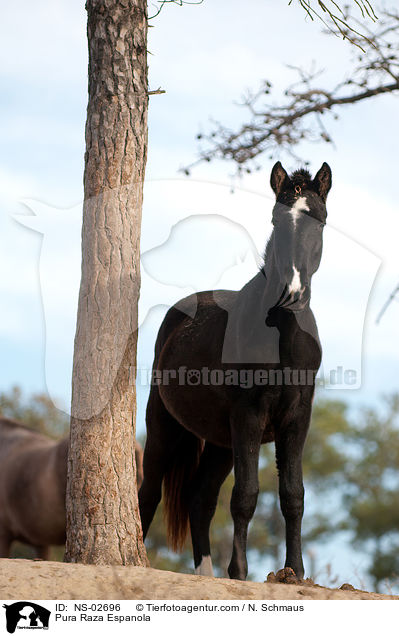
x=372, y=497
x=324, y=460
x=37, y=412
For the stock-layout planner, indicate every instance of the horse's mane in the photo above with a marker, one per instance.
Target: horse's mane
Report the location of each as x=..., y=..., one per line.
x=266, y=252
x=301, y=177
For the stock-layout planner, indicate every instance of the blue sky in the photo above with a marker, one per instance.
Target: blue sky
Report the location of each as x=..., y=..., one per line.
x=205, y=57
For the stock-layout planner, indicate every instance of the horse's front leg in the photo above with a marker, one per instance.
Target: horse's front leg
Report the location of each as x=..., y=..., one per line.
x=290, y=440
x=246, y=432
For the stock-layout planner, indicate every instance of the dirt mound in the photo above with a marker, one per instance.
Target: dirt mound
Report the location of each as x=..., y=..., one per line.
x=51, y=580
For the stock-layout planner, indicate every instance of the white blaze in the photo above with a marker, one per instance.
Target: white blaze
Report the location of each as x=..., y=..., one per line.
x=299, y=206
x=205, y=567
x=295, y=284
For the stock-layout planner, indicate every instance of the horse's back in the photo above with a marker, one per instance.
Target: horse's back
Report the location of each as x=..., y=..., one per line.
x=13, y=434
x=192, y=316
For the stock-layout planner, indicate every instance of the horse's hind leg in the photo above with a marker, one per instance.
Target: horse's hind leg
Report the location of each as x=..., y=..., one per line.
x=215, y=464
x=5, y=544
x=162, y=436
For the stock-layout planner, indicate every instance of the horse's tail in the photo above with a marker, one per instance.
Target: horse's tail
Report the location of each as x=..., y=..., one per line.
x=176, y=485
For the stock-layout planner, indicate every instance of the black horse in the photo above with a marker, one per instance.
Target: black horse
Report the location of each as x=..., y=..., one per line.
x=232, y=371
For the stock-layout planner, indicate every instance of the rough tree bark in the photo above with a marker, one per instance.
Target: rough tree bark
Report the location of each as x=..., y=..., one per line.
x=103, y=523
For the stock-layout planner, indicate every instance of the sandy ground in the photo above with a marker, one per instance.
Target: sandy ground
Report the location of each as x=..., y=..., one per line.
x=20, y=579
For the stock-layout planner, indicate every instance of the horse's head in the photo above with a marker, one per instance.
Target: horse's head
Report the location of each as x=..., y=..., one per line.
x=299, y=216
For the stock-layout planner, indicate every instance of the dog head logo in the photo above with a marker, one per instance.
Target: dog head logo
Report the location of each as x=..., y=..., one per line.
x=26, y=615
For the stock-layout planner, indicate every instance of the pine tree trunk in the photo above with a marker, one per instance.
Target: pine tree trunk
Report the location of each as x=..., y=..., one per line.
x=103, y=523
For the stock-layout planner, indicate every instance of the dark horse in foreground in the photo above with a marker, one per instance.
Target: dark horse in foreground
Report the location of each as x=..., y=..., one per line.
x=232, y=371
x=33, y=474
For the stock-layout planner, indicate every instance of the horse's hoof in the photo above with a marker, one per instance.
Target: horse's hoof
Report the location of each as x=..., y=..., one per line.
x=286, y=575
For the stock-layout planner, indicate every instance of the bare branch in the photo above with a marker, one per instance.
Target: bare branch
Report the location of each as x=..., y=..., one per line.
x=340, y=22
x=391, y=298
x=158, y=91
x=180, y=3
x=301, y=114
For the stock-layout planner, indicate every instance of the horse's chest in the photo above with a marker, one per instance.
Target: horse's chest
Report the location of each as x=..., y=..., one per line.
x=300, y=351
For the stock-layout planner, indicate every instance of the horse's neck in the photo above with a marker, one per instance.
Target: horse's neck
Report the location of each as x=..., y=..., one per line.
x=261, y=293
x=248, y=339
x=250, y=335
x=272, y=285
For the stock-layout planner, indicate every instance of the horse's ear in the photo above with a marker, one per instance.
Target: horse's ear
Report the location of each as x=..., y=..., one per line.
x=277, y=178
x=322, y=181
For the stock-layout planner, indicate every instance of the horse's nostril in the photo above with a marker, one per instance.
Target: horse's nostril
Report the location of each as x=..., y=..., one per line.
x=294, y=297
